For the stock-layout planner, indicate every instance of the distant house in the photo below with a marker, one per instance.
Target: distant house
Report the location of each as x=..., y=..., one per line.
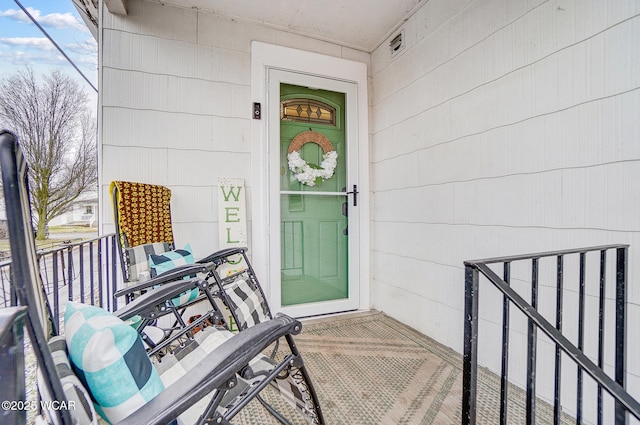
x=83, y=212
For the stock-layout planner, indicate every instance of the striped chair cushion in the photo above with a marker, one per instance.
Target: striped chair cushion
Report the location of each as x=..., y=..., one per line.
x=137, y=258
x=175, y=365
x=79, y=401
x=293, y=388
x=171, y=367
x=246, y=301
x=109, y=358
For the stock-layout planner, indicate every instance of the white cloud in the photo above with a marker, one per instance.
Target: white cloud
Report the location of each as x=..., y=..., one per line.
x=20, y=58
x=38, y=52
x=41, y=43
x=16, y=15
x=52, y=20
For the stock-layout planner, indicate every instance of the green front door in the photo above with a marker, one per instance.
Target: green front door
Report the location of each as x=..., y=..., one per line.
x=313, y=204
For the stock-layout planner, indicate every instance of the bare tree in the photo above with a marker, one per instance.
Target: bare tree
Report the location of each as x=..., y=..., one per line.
x=57, y=135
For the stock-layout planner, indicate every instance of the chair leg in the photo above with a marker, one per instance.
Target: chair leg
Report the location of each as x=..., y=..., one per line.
x=305, y=380
x=313, y=394
x=297, y=385
x=272, y=411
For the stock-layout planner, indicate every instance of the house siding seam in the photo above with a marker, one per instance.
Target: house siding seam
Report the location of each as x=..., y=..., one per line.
x=504, y=127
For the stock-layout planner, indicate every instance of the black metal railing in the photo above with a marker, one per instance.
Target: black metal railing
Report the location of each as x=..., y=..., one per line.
x=80, y=271
x=624, y=403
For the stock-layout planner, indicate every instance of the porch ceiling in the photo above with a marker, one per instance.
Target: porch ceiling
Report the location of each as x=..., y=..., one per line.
x=360, y=24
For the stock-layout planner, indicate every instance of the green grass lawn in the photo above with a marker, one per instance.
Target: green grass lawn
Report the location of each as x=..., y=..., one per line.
x=71, y=229
x=54, y=241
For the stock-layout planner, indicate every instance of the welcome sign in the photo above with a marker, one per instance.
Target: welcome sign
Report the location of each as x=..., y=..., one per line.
x=232, y=227
x=232, y=217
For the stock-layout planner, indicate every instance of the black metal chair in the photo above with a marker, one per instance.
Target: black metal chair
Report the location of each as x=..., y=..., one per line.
x=226, y=376
x=142, y=217
x=142, y=213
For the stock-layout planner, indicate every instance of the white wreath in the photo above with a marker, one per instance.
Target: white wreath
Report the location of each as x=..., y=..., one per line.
x=311, y=174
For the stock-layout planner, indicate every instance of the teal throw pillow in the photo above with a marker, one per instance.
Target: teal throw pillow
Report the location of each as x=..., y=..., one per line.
x=161, y=263
x=109, y=358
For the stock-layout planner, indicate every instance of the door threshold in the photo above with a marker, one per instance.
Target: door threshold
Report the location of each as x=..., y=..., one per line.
x=337, y=314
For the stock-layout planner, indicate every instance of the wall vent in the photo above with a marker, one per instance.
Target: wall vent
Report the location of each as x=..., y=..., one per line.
x=396, y=45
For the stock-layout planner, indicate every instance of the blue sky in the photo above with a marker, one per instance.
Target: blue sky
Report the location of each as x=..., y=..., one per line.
x=22, y=43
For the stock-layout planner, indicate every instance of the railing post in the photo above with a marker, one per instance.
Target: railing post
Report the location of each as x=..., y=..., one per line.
x=101, y=244
x=70, y=273
x=470, y=360
x=532, y=349
x=91, y=275
x=504, y=386
x=81, y=272
x=56, y=290
x=557, y=407
x=621, y=328
x=14, y=295
x=581, y=300
x=601, y=317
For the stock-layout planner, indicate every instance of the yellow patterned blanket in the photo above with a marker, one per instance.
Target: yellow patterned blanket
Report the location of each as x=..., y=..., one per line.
x=143, y=213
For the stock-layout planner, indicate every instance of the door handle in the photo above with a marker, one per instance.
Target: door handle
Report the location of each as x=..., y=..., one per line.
x=354, y=192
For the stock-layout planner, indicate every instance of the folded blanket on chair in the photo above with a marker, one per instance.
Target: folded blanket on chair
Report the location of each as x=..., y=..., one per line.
x=147, y=215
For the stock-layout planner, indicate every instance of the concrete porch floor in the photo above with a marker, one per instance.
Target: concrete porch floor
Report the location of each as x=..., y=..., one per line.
x=371, y=369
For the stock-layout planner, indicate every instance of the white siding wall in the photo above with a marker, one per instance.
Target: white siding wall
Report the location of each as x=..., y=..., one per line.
x=176, y=107
x=504, y=127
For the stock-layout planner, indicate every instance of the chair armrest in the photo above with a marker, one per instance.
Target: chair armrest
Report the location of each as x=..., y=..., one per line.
x=213, y=371
x=169, y=276
x=149, y=301
x=217, y=256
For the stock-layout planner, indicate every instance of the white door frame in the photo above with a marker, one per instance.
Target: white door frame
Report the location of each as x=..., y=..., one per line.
x=350, y=89
x=266, y=57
